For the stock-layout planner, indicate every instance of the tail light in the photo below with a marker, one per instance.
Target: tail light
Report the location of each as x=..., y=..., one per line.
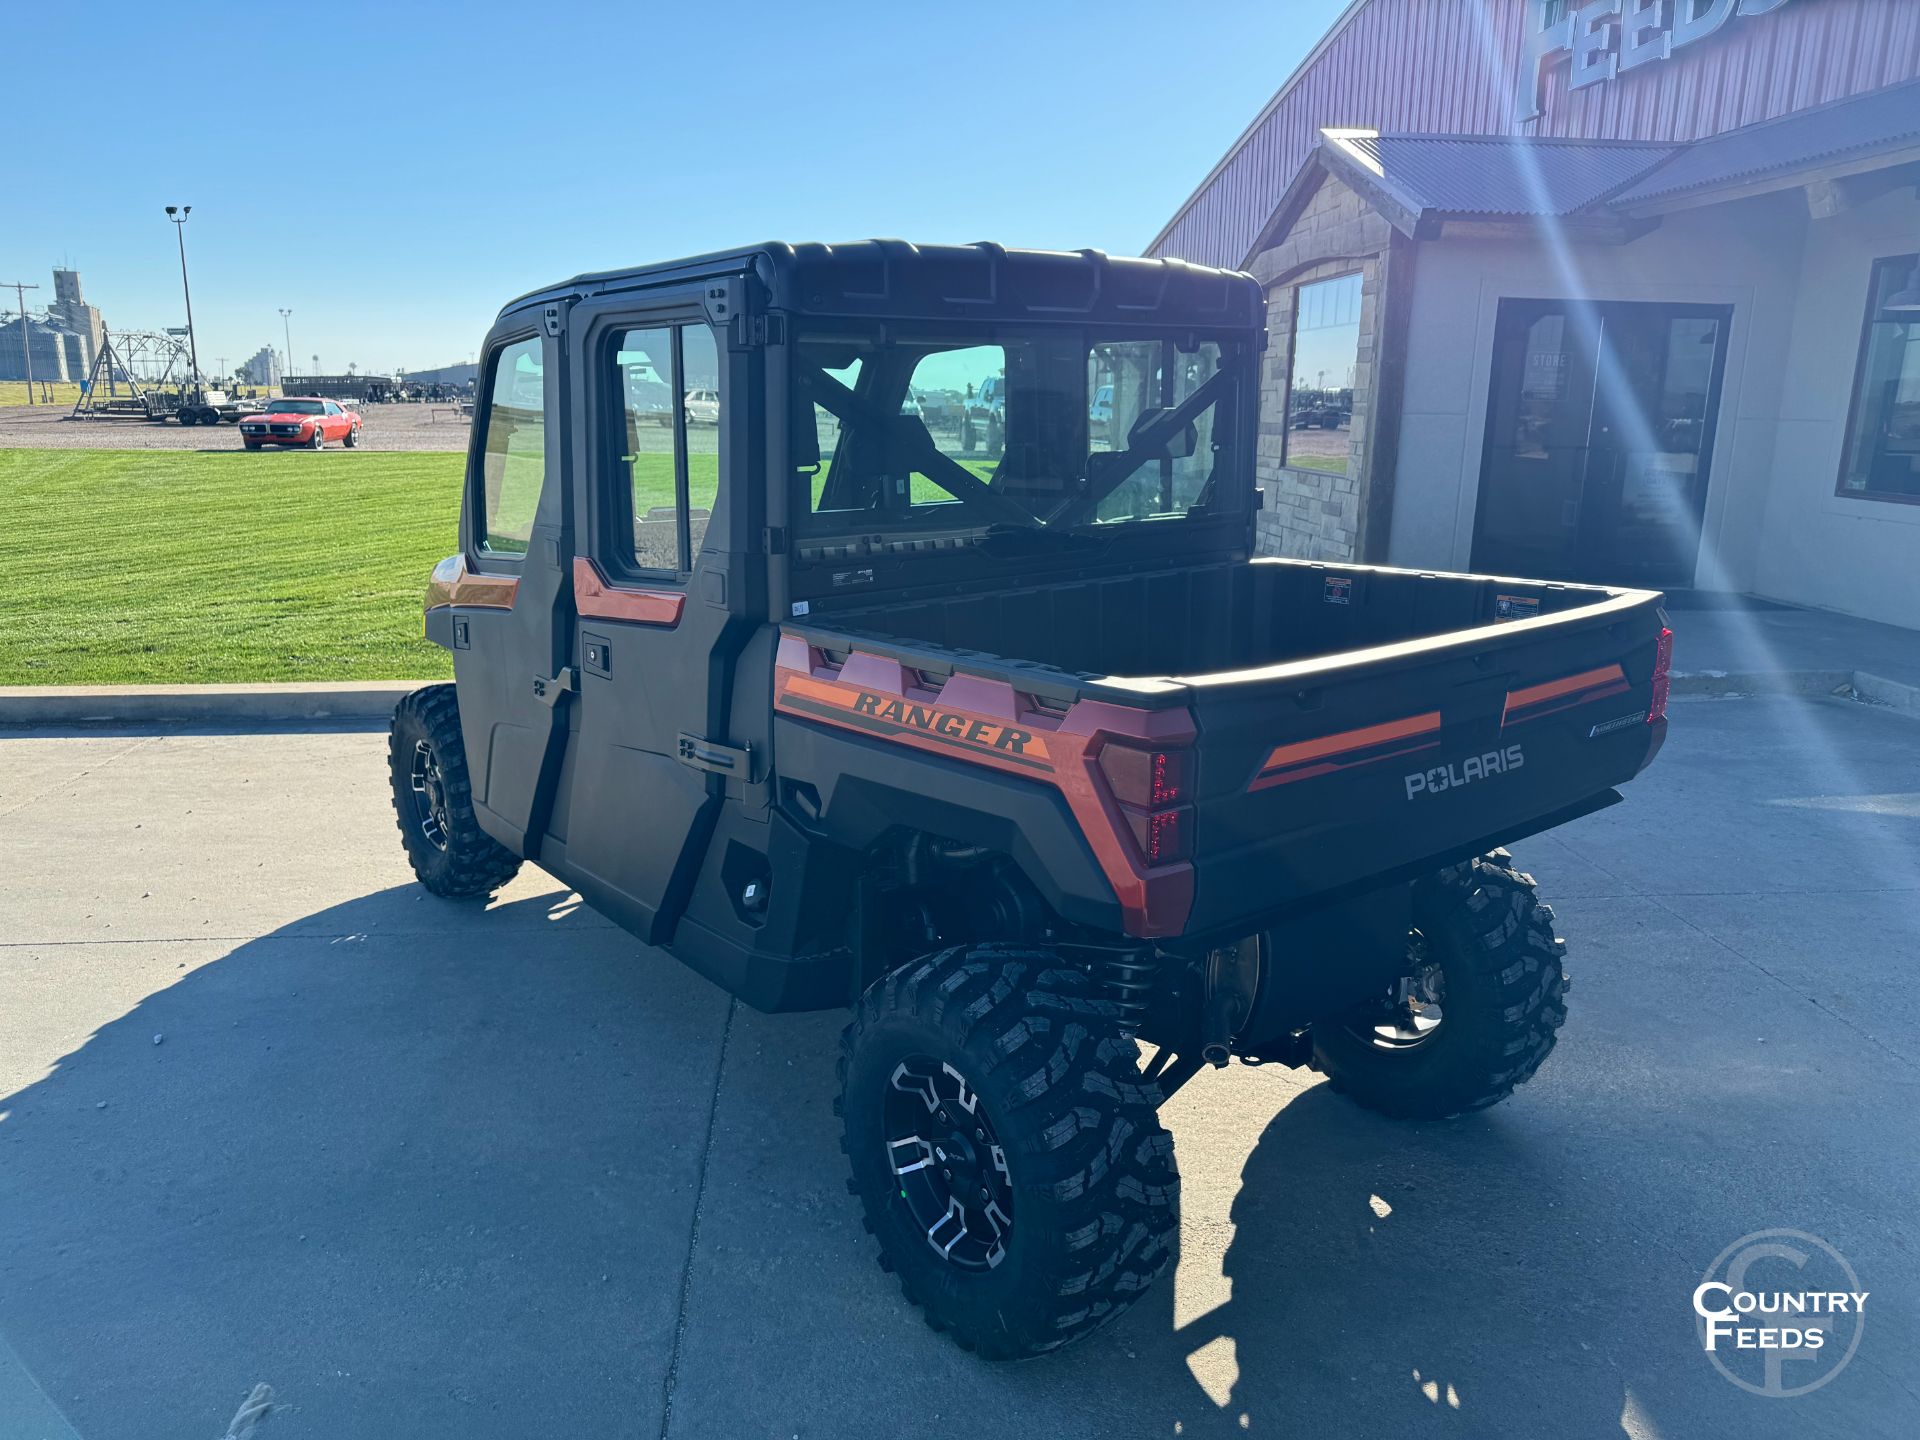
x=1662, y=664
x=1150, y=786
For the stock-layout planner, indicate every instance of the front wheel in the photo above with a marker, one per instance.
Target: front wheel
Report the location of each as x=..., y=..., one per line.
x=433, y=799
x=1477, y=1011
x=352, y=441
x=1006, y=1150
x=317, y=440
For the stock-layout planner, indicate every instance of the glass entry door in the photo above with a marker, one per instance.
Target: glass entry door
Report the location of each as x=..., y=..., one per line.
x=1599, y=438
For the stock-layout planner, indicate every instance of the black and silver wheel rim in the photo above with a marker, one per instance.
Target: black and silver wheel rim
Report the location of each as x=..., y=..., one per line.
x=949, y=1166
x=1411, y=1012
x=429, y=795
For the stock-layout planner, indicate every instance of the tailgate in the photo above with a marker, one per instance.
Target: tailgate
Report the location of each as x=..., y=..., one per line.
x=1329, y=774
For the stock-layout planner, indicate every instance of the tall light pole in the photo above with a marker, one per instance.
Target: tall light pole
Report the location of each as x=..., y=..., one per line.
x=178, y=214
x=20, y=288
x=286, y=333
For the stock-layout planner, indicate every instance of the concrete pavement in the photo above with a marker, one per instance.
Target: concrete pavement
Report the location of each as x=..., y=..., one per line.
x=269, y=1113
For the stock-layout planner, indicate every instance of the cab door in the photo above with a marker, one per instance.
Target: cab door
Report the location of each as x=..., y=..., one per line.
x=512, y=636
x=649, y=763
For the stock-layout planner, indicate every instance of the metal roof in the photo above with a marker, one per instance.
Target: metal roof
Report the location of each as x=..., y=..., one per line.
x=1417, y=67
x=1409, y=178
x=1881, y=120
x=1499, y=175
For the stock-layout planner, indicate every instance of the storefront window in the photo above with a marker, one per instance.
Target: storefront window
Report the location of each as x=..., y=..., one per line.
x=1882, y=459
x=1326, y=349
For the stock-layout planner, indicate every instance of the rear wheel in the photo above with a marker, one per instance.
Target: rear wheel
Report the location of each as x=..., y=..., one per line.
x=1005, y=1148
x=189, y=416
x=433, y=799
x=1477, y=1011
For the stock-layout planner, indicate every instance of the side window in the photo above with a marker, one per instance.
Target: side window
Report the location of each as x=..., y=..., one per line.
x=513, y=455
x=700, y=369
x=668, y=378
x=644, y=362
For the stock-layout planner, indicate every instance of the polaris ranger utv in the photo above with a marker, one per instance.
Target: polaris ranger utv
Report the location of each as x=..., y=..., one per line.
x=1017, y=750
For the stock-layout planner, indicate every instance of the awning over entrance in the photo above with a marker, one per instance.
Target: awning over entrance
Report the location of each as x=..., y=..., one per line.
x=1420, y=182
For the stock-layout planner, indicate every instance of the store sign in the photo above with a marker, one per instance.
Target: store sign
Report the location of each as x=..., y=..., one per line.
x=1604, y=38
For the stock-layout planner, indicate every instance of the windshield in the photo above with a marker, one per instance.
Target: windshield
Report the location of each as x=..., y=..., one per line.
x=296, y=407
x=1062, y=430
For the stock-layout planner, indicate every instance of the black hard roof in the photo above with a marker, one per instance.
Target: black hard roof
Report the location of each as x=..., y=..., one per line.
x=893, y=278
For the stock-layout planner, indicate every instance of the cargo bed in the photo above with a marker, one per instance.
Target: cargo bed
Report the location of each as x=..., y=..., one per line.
x=1347, y=725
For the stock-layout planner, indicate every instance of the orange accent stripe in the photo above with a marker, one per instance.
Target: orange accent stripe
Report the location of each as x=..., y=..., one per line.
x=1566, y=685
x=1302, y=750
x=1266, y=779
x=817, y=690
x=595, y=599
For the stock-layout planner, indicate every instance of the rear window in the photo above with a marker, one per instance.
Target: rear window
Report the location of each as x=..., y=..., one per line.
x=1057, y=429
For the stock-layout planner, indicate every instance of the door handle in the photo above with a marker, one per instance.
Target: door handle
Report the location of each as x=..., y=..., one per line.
x=734, y=761
x=548, y=692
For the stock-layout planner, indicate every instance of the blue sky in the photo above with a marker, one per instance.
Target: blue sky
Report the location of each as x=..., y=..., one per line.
x=393, y=172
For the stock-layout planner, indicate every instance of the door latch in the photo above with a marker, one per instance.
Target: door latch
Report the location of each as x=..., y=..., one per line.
x=548, y=692
x=733, y=761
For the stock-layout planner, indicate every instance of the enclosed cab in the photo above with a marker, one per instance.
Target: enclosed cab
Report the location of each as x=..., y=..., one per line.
x=997, y=730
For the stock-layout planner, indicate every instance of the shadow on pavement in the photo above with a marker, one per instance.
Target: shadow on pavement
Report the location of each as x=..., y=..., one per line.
x=431, y=1170
x=424, y=1170
x=1393, y=1279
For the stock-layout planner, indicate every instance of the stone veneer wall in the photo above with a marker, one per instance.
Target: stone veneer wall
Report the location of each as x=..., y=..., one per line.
x=1312, y=514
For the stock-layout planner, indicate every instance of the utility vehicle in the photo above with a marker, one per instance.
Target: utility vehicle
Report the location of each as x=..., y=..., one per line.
x=1022, y=753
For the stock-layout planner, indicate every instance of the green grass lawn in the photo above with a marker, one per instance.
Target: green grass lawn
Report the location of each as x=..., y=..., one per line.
x=1329, y=464
x=127, y=567
x=173, y=567
x=14, y=392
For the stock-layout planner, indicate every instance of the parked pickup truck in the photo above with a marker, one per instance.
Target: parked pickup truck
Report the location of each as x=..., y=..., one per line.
x=1023, y=755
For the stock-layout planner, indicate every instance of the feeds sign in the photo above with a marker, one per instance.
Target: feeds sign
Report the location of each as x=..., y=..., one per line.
x=1602, y=38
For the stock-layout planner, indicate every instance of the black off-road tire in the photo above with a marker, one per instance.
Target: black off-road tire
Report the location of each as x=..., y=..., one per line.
x=470, y=861
x=1095, y=1194
x=1504, y=1003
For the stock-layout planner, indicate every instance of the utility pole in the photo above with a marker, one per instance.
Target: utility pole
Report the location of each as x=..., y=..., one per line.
x=178, y=214
x=286, y=333
x=20, y=288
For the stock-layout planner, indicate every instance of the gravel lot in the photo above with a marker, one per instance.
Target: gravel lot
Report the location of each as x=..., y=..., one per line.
x=388, y=427
x=269, y=1112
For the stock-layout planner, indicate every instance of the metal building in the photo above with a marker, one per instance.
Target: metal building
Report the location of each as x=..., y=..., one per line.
x=1622, y=291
